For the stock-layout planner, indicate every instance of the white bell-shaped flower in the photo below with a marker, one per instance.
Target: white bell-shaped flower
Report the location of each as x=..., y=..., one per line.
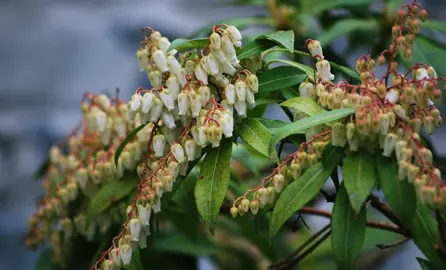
x=168, y=119
x=183, y=103
x=229, y=51
x=240, y=107
x=190, y=147
x=156, y=110
x=144, y=213
x=230, y=93
x=189, y=66
x=101, y=120
x=240, y=90
x=157, y=207
x=214, y=38
x=143, y=59
x=205, y=94
x=220, y=56
x=104, y=101
x=204, y=63
x=213, y=64
x=156, y=79
x=393, y=96
x=115, y=256
x=194, y=103
x=421, y=73
x=135, y=228
x=174, y=169
x=178, y=152
x=234, y=35
x=324, y=69
x=160, y=60
x=389, y=144
x=182, y=77
x=227, y=124
x=164, y=44
x=227, y=106
x=305, y=89
x=202, y=138
x=167, y=99
x=126, y=253
x=143, y=240
x=158, y=143
x=173, y=64
x=174, y=86
x=315, y=48
x=120, y=126
x=227, y=68
x=253, y=83
x=147, y=102
x=250, y=97
x=221, y=80
x=201, y=74
x=135, y=103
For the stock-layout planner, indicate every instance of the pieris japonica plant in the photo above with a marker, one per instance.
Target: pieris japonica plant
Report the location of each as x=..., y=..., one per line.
x=129, y=170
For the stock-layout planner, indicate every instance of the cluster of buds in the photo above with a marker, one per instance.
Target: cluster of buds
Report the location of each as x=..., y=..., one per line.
x=182, y=113
x=291, y=168
x=78, y=174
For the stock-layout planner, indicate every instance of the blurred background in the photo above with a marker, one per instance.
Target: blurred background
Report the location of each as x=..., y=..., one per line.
x=51, y=52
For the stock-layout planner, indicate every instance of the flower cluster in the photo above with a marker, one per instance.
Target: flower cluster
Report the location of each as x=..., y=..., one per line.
x=192, y=104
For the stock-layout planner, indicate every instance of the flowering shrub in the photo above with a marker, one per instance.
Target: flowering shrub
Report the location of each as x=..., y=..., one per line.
x=125, y=163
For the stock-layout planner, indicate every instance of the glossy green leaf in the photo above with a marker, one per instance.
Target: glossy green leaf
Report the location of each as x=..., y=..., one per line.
x=345, y=27
x=301, y=191
x=187, y=184
x=267, y=100
x=434, y=25
x=182, y=244
x=359, y=177
x=254, y=48
x=304, y=104
x=314, y=7
x=272, y=123
x=126, y=141
x=400, y=195
x=283, y=38
x=135, y=262
x=280, y=77
x=112, y=192
x=45, y=260
x=348, y=231
x=181, y=44
x=305, y=124
x=255, y=134
x=308, y=70
x=347, y=71
x=290, y=92
x=425, y=234
x=43, y=168
x=211, y=187
x=424, y=264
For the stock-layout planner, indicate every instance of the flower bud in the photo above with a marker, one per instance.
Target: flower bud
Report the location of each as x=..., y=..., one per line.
x=339, y=136
x=174, y=86
x=194, y=103
x=306, y=89
x=254, y=206
x=158, y=144
x=402, y=169
x=173, y=64
x=115, y=256
x=144, y=214
x=324, y=70
x=429, y=124
x=201, y=74
x=228, y=50
x=315, y=48
x=167, y=99
x=278, y=182
x=156, y=110
x=245, y=205
x=190, y=147
x=143, y=60
x=213, y=64
x=426, y=155
x=178, y=152
x=240, y=107
x=296, y=169
x=136, y=102
x=234, y=211
x=205, y=94
x=389, y=144
x=412, y=173
x=230, y=93
x=147, y=102
x=234, y=34
x=168, y=119
x=215, y=41
x=240, y=210
x=392, y=96
x=240, y=90
x=250, y=99
x=159, y=58
x=381, y=60
x=126, y=253
x=253, y=83
x=135, y=228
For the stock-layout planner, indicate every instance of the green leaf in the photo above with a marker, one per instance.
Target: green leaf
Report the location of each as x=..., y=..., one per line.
x=267, y=100
x=308, y=70
x=301, y=191
x=271, y=123
x=425, y=234
x=280, y=77
x=242, y=155
x=435, y=25
x=254, y=48
x=314, y=7
x=283, y=38
x=181, y=244
x=306, y=123
x=347, y=71
x=400, y=195
x=45, y=260
x=424, y=264
x=211, y=187
x=394, y=5
x=126, y=141
x=359, y=177
x=345, y=27
x=181, y=44
x=289, y=93
x=348, y=231
x=135, y=262
x=184, y=194
x=112, y=192
x=255, y=134
x=43, y=168
x=304, y=104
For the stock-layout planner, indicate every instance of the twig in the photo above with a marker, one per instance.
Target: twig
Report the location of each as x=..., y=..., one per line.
x=328, y=197
x=384, y=209
x=394, y=244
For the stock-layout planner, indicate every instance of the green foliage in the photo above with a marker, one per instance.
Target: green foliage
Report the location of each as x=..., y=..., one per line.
x=359, y=178
x=346, y=27
x=125, y=142
x=255, y=134
x=182, y=44
x=279, y=78
x=211, y=187
x=303, y=104
x=348, y=230
x=283, y=38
